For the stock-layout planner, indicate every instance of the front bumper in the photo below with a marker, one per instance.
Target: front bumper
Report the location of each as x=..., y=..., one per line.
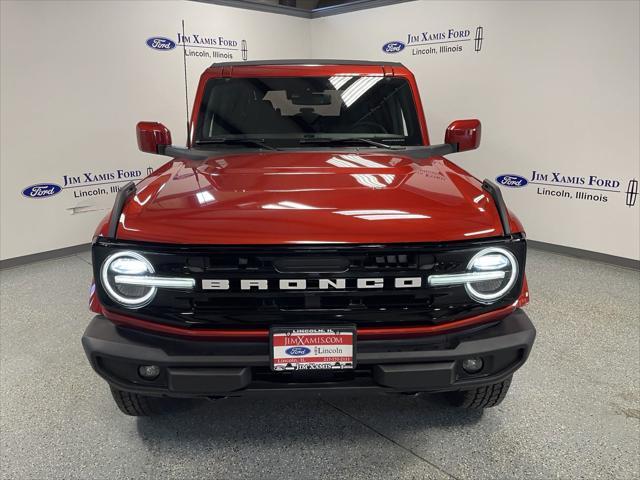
x=195, y=368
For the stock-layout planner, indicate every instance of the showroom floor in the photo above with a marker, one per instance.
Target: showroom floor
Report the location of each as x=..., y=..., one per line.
x=573, y=410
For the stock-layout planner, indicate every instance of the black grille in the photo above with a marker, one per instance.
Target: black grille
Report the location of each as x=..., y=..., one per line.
x=363, y=307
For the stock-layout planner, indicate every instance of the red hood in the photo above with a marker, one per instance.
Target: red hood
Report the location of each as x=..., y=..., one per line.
x=309, y=197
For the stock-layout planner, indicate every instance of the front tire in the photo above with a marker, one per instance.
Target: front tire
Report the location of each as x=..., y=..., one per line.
x=486, y=396
x=134, y=404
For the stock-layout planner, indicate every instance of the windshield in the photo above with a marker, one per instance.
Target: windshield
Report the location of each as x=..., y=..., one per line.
x=288, y=111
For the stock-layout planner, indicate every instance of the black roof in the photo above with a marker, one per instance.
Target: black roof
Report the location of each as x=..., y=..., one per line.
x=308, y=61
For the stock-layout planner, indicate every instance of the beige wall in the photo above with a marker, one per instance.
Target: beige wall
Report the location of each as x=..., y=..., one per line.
x=555, y=85
x=76, y=77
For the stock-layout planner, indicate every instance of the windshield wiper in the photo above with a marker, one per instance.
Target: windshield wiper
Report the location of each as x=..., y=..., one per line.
x=351, y=140
x=231, y=140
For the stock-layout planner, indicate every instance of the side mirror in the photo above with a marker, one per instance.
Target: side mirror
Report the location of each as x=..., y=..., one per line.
x=153, y=137
x=463, y=133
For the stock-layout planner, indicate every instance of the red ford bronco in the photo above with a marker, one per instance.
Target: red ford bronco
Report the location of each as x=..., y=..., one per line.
x=309, y=237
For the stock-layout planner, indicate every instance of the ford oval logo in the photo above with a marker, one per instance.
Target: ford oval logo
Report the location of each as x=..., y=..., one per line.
x=511, y=180
x=42, y=190
x=297, y=351
x=393, y=47
x=161, y=43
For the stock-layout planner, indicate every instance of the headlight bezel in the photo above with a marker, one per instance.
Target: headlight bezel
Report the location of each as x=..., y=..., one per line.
x=127, y=302
x=494, y=269
x=504, y=290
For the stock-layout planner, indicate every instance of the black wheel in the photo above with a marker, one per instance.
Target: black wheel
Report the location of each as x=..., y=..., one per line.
x=134, y=404
x=486, y=396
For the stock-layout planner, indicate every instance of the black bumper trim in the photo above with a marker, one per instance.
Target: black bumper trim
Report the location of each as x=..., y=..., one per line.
x=415, y=375
x=204, y=380
x=192, y=368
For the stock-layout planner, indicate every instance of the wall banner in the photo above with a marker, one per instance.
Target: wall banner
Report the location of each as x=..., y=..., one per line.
x=450, y=40
x=583, y=188
x=84, y=190
x=203, y=45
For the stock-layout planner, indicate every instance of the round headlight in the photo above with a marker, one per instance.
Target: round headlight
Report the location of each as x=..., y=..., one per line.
x=127, y=263
x=492, y=259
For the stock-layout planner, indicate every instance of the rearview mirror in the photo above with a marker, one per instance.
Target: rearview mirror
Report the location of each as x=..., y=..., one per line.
x=464, y=133
x=153, y=137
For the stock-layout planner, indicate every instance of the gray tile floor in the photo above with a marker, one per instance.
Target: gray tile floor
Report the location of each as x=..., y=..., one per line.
x=573, y=410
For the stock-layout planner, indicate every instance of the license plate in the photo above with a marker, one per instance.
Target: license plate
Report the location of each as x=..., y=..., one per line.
x=325, y=348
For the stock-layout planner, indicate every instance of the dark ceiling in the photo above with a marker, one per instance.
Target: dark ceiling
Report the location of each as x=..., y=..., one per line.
x=309, y=5
x=305, y=8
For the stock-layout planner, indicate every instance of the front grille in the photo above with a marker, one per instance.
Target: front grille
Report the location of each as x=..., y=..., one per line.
x=364, y=307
